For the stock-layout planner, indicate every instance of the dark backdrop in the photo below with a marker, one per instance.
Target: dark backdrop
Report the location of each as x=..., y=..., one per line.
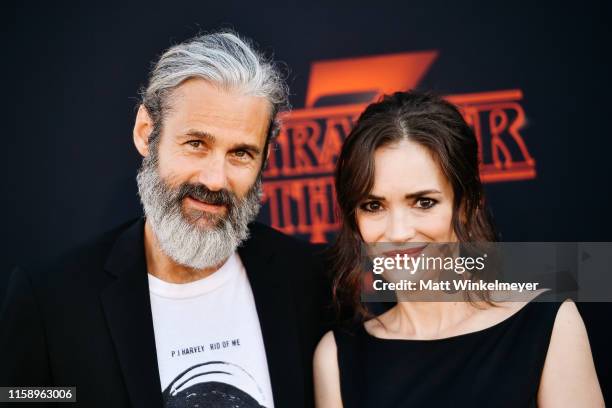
x=72, y=73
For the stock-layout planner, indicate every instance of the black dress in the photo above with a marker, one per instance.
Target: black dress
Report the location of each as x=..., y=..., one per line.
x=499, y=366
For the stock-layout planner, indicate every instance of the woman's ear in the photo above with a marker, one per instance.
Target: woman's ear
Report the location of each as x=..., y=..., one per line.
x=463, y=212
x=143, y=127
x=463, y=218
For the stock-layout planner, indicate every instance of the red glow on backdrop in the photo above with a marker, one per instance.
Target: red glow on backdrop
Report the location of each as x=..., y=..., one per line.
x=298, y=188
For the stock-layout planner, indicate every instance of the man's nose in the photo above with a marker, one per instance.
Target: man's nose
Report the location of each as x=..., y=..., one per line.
x=212, y=173
x=400, y=226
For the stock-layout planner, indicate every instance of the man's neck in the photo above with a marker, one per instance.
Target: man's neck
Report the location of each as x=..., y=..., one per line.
x=163, y=267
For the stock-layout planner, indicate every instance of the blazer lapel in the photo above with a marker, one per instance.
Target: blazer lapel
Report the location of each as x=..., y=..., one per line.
x=127, y=307
x=277, y=317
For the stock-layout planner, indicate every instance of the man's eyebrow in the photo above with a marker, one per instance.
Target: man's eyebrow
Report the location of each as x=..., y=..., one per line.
x=200, y=134
x=409, y=196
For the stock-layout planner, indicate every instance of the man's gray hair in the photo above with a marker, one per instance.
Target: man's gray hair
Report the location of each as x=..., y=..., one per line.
x=223, y=59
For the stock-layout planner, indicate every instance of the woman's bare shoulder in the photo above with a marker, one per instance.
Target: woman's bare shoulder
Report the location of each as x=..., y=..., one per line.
x=326, y=354
x=327, y=344
x=326, y=373
x=569, y=377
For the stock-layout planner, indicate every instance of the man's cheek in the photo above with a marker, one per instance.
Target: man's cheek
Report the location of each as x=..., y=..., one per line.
x=240, y=187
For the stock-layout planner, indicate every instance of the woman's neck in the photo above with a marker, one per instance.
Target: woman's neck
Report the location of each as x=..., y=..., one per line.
x=427, y=320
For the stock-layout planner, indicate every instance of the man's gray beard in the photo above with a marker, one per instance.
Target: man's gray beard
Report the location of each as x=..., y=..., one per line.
x=180, y=238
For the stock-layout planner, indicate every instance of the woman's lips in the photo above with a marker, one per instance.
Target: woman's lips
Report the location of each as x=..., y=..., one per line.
x=414, y=251
x=202, y=206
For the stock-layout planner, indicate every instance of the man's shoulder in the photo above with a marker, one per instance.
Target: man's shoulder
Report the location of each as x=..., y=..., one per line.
x=83, y=258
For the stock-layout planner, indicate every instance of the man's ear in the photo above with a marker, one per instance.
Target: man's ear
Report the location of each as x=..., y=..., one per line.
x=267, y=153
x=142, y=130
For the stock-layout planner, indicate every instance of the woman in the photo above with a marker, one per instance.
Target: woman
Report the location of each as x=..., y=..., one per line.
x=408, y=172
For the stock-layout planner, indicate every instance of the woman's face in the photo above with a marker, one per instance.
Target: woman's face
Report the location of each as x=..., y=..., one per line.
x=411, y=201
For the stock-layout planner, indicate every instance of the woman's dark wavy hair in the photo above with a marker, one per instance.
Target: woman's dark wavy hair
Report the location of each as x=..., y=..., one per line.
x=431, y=122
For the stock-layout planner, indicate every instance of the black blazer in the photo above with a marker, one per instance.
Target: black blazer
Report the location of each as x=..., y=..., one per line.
x=86, y=321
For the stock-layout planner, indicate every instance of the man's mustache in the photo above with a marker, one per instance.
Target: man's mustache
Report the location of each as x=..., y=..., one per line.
x=202, y=193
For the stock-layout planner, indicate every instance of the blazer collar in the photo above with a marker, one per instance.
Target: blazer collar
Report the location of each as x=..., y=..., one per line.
x=127, y=307
x=269, y=272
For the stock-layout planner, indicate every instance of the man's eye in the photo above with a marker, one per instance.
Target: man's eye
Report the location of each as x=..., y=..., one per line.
x=371, y=206
x=195, y=143
x=242, y=154
x=426, y=203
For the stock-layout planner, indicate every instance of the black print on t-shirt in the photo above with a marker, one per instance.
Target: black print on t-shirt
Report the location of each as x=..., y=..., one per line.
x=212, y=384
x=219, y=345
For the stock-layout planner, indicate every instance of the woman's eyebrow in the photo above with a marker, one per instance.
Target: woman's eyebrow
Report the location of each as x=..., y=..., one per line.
x=411, y=195
x=422, y=193
x=375, y=197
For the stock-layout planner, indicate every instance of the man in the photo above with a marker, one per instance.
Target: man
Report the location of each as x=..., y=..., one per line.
x=195, y=305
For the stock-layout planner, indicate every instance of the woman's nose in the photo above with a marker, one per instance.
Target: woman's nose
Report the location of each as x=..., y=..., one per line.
x=400, y=227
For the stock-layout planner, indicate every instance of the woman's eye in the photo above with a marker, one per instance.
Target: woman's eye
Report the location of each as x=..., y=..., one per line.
x=371, y=206
x=425, y=203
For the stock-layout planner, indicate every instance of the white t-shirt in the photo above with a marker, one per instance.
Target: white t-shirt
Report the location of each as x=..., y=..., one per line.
x=209, y=344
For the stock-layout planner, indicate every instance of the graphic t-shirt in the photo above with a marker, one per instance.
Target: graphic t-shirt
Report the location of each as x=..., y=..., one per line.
x=210, y=349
